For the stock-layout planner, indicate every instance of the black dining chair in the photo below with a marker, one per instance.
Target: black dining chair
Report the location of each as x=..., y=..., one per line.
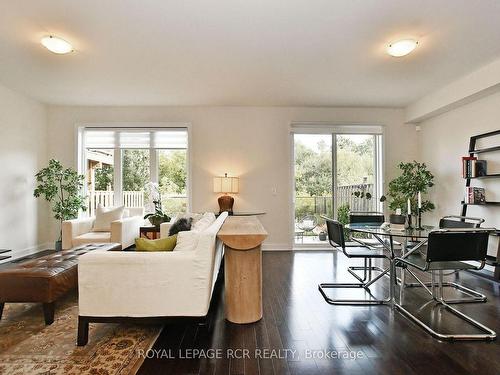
x=337, y=240
x=457, y=222
x=365, y=217
x=453, y=221
x=448, y=249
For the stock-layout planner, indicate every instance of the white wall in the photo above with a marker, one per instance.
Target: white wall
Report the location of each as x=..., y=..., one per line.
x=23, y=150
x=467, y=89
x=250, y=142
x=444, y=140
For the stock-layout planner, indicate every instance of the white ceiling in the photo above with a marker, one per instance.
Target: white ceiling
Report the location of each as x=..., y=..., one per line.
x=243, y=52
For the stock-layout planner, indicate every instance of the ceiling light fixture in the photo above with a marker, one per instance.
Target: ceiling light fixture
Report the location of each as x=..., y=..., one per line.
x=56, y=45
x=401, y=47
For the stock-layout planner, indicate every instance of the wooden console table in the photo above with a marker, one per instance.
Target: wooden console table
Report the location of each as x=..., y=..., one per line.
x=242, y=237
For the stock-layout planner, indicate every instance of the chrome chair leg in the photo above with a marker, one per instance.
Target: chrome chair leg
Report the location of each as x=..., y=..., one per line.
x=402, y=286
x=365, y=285
x=488, y=334
x=433, y=283
x=360, y=302
x=367, y=267
x=437, y=289
x=363, y=268
x=471, y=295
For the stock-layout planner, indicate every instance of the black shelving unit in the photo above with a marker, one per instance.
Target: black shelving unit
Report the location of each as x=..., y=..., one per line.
x=3, y=253
x=487, y=203
x=494, y=175
x=492, y=261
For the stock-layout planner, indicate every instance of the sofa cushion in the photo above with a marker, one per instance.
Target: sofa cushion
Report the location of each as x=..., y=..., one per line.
x=207, y=219
x=104, y=217
x=187, y=241
x=162, y=244
x=92, y=237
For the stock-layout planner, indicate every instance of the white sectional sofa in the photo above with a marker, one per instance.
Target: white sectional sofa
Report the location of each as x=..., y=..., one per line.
x=118, y=285
x=79, y=232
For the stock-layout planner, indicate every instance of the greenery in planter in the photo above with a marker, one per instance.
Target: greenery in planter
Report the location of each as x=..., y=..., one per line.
x=415, y=177
x=61, y=187
x=343, y=217
x=158, y=216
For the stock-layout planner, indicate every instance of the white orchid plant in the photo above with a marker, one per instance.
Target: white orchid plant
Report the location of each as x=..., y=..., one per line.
x=157, y=216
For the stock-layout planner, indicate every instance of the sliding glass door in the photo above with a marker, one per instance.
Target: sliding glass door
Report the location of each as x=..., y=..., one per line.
x=334, y=173
x=313, y=167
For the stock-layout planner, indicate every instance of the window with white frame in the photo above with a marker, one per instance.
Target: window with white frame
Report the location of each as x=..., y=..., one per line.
x=123, y=165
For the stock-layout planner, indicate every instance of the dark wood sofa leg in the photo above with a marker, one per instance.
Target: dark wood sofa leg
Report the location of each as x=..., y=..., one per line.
x=83, y=332
x=1, y=309
x=48, y=312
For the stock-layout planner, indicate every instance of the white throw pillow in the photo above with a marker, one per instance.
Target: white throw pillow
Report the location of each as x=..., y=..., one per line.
x=104, y=217
x=202, y=224
x=187, y=240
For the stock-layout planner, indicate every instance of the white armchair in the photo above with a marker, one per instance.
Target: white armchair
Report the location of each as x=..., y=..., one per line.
x=78, y=232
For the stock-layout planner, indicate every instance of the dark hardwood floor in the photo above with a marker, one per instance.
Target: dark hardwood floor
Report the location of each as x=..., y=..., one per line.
x=366, y=340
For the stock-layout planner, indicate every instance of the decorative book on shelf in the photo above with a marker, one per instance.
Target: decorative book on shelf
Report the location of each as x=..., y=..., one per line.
x=472, y=167
x=474, y=195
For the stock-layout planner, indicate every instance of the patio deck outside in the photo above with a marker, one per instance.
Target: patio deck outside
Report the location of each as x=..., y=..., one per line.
x=320, y=206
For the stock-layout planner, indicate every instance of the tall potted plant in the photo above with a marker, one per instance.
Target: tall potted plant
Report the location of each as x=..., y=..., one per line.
x=61, y=187
x=414, y=178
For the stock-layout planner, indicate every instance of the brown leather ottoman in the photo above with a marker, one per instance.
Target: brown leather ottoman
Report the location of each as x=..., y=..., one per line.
x=45, y=279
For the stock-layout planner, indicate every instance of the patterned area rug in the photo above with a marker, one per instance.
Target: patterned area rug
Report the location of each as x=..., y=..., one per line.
x=28, y=346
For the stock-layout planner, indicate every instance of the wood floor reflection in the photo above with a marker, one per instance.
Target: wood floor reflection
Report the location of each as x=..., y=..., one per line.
x=301, y=334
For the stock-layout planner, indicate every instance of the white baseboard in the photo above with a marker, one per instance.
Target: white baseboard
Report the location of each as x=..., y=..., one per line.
x=276, y=247
x=16, y=254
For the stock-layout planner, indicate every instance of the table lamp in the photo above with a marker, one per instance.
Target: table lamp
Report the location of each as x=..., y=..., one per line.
x=226, y=185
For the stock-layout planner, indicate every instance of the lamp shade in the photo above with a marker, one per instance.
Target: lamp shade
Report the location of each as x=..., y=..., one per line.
x=226, y=184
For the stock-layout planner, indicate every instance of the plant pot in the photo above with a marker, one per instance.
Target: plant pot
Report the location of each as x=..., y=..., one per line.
x=322, y=236
x=58, y=245
x=397, y=219
x=156, y=221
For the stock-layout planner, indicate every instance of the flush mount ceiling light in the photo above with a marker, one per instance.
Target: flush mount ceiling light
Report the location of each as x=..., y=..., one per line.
x=401, y=47
x=56, y=45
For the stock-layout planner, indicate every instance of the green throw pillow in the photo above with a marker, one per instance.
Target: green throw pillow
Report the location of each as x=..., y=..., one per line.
x=163, y=244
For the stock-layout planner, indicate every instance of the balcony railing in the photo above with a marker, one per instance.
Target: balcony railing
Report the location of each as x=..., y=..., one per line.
x=322, y=205
x=319, y=206
x=171, y=204
x=345, y=196
x=106, y=199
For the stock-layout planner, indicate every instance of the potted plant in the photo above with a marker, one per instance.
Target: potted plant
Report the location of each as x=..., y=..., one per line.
x=61, y=187
x=157, y=216
x=322, y=235
x=343, y=217
x=414, y=178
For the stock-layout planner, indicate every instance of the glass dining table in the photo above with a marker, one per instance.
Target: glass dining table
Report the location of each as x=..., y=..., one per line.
x=411, y=240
